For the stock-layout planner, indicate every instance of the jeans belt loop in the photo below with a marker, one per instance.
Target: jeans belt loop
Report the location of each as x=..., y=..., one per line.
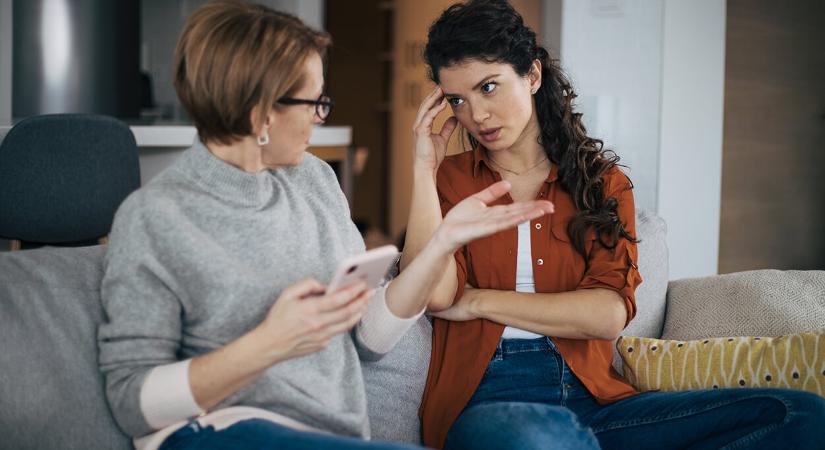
x=552, y=345
x=194, y=425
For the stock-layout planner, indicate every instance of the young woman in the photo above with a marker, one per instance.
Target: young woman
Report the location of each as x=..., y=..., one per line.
x=217, y=333
x=522, y=354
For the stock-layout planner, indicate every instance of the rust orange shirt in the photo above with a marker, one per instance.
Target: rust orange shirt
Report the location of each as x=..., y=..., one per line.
x=462, y=350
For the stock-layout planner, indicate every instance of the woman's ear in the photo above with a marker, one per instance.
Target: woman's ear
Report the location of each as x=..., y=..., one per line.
x=261, y=122
x=535, y=76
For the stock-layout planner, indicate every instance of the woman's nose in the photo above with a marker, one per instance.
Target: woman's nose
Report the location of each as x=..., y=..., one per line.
x=479, y=115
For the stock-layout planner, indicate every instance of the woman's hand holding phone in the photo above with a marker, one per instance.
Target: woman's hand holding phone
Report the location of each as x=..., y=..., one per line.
x=303, y=320
x=306, y=317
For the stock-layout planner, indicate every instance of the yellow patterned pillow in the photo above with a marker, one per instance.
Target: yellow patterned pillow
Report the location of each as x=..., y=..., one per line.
x=795, y=361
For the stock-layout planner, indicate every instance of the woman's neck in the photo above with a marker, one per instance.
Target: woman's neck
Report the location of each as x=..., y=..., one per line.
x=525, y=153
x=244, y=154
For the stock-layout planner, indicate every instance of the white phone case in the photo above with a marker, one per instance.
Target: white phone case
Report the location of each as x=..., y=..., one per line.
x=370, y=267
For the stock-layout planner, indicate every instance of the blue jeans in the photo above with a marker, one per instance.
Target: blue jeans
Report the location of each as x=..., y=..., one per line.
x=529, y=399
x=257, y=434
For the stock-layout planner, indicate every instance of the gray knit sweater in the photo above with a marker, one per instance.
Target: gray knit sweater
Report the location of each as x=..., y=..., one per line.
x=198, y=256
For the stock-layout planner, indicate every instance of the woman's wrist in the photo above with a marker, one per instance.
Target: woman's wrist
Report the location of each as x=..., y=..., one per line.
x=474, y=301
x=261, y=348
x=216, y=375
x=440, y=245
x=424, y=172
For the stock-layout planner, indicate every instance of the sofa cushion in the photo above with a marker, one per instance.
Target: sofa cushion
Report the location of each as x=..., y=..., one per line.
x=651, y=294
x=754, y=303
x=51, y=390
x=795, y=361
x=395, y=385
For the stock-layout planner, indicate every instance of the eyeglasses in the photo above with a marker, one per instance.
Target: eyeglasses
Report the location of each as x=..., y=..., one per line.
x=323, y=106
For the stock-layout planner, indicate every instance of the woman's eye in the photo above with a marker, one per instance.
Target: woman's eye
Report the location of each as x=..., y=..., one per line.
x=455, y=101
x=488, y=87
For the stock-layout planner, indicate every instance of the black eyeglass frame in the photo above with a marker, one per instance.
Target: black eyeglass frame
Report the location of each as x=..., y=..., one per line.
x=323, y=101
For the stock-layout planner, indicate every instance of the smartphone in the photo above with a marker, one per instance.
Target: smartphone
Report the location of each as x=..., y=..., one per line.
x=370, y=267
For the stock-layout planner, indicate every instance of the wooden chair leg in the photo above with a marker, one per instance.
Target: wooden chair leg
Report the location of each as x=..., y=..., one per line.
x=103, y=241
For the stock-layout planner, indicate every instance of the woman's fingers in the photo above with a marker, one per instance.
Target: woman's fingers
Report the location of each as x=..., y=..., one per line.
x=340, y=298
x=536, y=208
x=507, y=217
x=333, y=320
x=506, y=209
x=429, y=117
x=343, y=325
x=448, y=128
x=493, y=219
x=429, y=102
x=492, y=192
x=330, y=324
x=304, y=288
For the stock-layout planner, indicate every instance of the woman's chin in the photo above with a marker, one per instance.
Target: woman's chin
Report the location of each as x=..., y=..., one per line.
x=496, y=145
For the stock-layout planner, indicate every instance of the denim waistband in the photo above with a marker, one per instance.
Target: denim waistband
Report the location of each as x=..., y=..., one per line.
x=510, y=346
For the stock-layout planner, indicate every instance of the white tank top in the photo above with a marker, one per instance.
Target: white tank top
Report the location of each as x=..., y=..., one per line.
x=524, y=279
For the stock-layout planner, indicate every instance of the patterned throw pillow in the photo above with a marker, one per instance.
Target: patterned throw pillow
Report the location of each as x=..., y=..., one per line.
x=795, y=361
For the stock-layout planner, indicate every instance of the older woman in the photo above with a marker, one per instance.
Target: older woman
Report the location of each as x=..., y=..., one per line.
x=217, y=332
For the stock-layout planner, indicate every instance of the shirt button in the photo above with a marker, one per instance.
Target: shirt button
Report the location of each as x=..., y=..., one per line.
x=540, y=262
x=538, y=226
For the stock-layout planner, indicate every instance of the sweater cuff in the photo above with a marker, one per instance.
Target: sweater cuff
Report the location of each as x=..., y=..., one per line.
x=166, y=396
x=380, y=329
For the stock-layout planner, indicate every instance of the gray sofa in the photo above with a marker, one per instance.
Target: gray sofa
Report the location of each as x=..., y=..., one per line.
x=51, y=394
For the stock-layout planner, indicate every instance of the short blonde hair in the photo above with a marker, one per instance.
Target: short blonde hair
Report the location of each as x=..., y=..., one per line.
x=233, y=56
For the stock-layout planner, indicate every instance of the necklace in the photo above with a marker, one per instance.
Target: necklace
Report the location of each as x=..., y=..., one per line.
x=513, y=171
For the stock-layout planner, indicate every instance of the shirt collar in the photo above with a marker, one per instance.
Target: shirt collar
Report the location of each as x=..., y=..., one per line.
x=479, y=156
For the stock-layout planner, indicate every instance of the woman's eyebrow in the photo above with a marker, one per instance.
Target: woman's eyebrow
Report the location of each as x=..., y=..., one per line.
x=478, y=85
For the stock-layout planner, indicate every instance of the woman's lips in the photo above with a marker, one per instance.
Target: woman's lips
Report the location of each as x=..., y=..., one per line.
x=490, y=135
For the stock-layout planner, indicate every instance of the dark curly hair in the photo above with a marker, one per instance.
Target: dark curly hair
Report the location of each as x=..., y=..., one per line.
x=492, y=31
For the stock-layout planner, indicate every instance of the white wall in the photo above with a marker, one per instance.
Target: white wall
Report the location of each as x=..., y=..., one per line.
x=6, y=37
x=690, y=159
x=650, y=79
x=612, y=52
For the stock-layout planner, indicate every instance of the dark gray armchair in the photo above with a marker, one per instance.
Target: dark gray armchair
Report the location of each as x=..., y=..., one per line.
x=62, y=177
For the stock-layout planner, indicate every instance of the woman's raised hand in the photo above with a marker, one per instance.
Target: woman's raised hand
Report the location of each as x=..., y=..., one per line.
x=304, y=319
x=472, y=218
x=431, y=147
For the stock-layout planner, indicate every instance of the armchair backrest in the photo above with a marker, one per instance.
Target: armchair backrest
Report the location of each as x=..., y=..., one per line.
x=63, y=176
